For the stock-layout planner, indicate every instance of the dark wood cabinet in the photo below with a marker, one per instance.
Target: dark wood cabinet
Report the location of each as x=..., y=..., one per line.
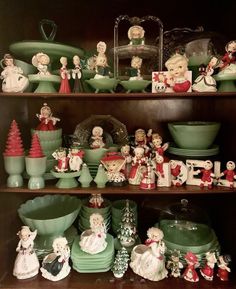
x=83, y=24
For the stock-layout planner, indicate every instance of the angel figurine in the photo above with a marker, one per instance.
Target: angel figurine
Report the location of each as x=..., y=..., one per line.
x=77, y=75
x=26, y=263
x=93, y=240
x=229, y=173
x=55, y=266
x=97, y=138
x=228, y=61
x=12, y=75
x=138, y=166
x=65, y=76
x=174, y=264
x=157, y=145
x=47, y=121
x=190, y=273
x=136, y=35
x=135, y=70
x=207, y=174
x=41, y=61
x=208, y=270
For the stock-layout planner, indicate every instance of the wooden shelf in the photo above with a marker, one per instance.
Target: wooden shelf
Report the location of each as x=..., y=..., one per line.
x=129, y=96
x=125, y=190
x=107, y=281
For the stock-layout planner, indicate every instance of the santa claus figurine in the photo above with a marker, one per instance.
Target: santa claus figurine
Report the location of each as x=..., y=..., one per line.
x=75, y=156
x=62, y=160
x=190, y=274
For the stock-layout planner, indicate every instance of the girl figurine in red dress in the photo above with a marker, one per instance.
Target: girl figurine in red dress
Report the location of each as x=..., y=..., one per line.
x=223, y=269
x=65, y=76
x=190, y=274
x=207, y=175
x=208, y=270
x=229, y=173
x=47, y=121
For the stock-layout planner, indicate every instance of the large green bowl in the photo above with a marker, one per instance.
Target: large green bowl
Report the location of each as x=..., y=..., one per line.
x=50, y=215
x=194, y=134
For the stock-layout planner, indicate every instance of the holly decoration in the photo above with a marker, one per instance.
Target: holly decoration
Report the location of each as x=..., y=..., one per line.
x=120, y=264
x=127, y=231
x=14, y=145
x=35, y=150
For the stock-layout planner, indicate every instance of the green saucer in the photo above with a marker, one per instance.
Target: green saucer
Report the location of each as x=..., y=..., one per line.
x=173, y=149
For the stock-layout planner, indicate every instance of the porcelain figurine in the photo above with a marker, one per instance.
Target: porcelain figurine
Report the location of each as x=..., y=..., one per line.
x=113, y=163
x=208, y=270
x=148, y=260
x=47, y=121
x=75, y=156
x=179, y=173
x=157, y=145
x=26, y=263
x=96, y=140
x=62, y=160
x=148, y=182
x=162, y=170
x=93, y=240
x=174, y=264
x=190, y=273
x=12, y=75
x=136, y=35
x=77, y=75
x=229, y=174
x=138, y=166
x=41, y=61
x=96, y=201
x=223, y=267
x=125, y=152
x=101, y=47
x=205, y=82
x=102, y=68
x=65, y=76
x=134, y=71
x=207, y=175
x=177, y=67
x=228, y=61
x=141, y=139
x=55, y=266
x=158, y=82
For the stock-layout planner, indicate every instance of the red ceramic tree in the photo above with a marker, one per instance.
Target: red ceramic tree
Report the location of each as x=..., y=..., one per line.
x=36, y=149
x=14, y=145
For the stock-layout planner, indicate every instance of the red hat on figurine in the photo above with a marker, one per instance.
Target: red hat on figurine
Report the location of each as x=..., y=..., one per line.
x=191, y=257
x=112, y=156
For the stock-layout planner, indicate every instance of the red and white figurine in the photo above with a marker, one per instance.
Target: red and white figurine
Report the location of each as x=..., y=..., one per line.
x=190, y=274
x=208, y=270
x=223, y=269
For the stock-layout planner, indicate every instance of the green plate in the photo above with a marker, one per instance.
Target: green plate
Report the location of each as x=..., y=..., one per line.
x=214, y=150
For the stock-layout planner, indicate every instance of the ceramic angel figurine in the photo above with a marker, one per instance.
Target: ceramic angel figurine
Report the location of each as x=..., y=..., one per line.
x=101, y=47
x=65, y=76
x=223, y=268
x=136, y=35
x=157, y=145
x=75, y=156
x=93, y=240
x=102, y=68
x=12, y=75
x=177, y=67
x=174, y=264
x=208, y=270
x=141, y=139
x=190, y=274
x=77, y=75
x=148, y=260
x=135, y=72
x=55, y=266
x=62, y=160
x=207, y=174
x=26, y=263
x=41, y=61
x=228, y=61
x=97, y=138
x=96, y=201
x=229, y=173
x=125, y=152
x=47, y=121
x=113, y=163
x=205, y=81
x=138, y=166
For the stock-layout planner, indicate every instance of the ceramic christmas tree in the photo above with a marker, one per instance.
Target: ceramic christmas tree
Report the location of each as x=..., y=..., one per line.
x=127, y=232
x=101, y=177
x=85, y=177
x=120, y=264
x=35, y=164
x=14, y=157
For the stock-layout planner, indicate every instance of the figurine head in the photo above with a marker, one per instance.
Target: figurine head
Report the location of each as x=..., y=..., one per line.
x=136, y=32
x=159, y=159
x=63, y=60
x=177, y=65
x=214, y=62
x=76, y=60
x=8, y=60
x=139, y=152
x=156, y=140
x=125, y=150
x=175, y=256
x=155, y=234
x=45, y=111
x=211, y=257
x=225, y=259
x=40, y=58
x=136, y=62
x=24, y=233
x=230, y=165
x=59, y=245
x=140, y=135
x=191, y=258
x=113, y=162
x=173, y=164
x=231, y=46
x=101, y=47
x=208, y=165
x=96, y=220
x=101, y=60
x=97, y=131
x=61, y=153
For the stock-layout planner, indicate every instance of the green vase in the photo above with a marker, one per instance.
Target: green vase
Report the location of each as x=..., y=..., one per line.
x=35, y=168
x=14, y=166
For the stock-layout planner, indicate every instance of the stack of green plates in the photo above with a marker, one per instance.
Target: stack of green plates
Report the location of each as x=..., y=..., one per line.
x=86, y=212
x=87, y=263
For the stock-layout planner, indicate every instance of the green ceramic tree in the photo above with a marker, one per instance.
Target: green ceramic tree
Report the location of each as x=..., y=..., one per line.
x=85, y=177
x=101, y=177
x=120, y=264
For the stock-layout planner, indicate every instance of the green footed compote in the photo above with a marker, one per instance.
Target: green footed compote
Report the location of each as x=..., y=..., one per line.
x=14, y=166
x=66, y=179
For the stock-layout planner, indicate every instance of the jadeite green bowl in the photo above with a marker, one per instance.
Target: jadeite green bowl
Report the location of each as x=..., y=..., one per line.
x=50, y=214
x=48, y=135
x=103, y=84
x=135, y=85
x=94, y=155
x=194, y=134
